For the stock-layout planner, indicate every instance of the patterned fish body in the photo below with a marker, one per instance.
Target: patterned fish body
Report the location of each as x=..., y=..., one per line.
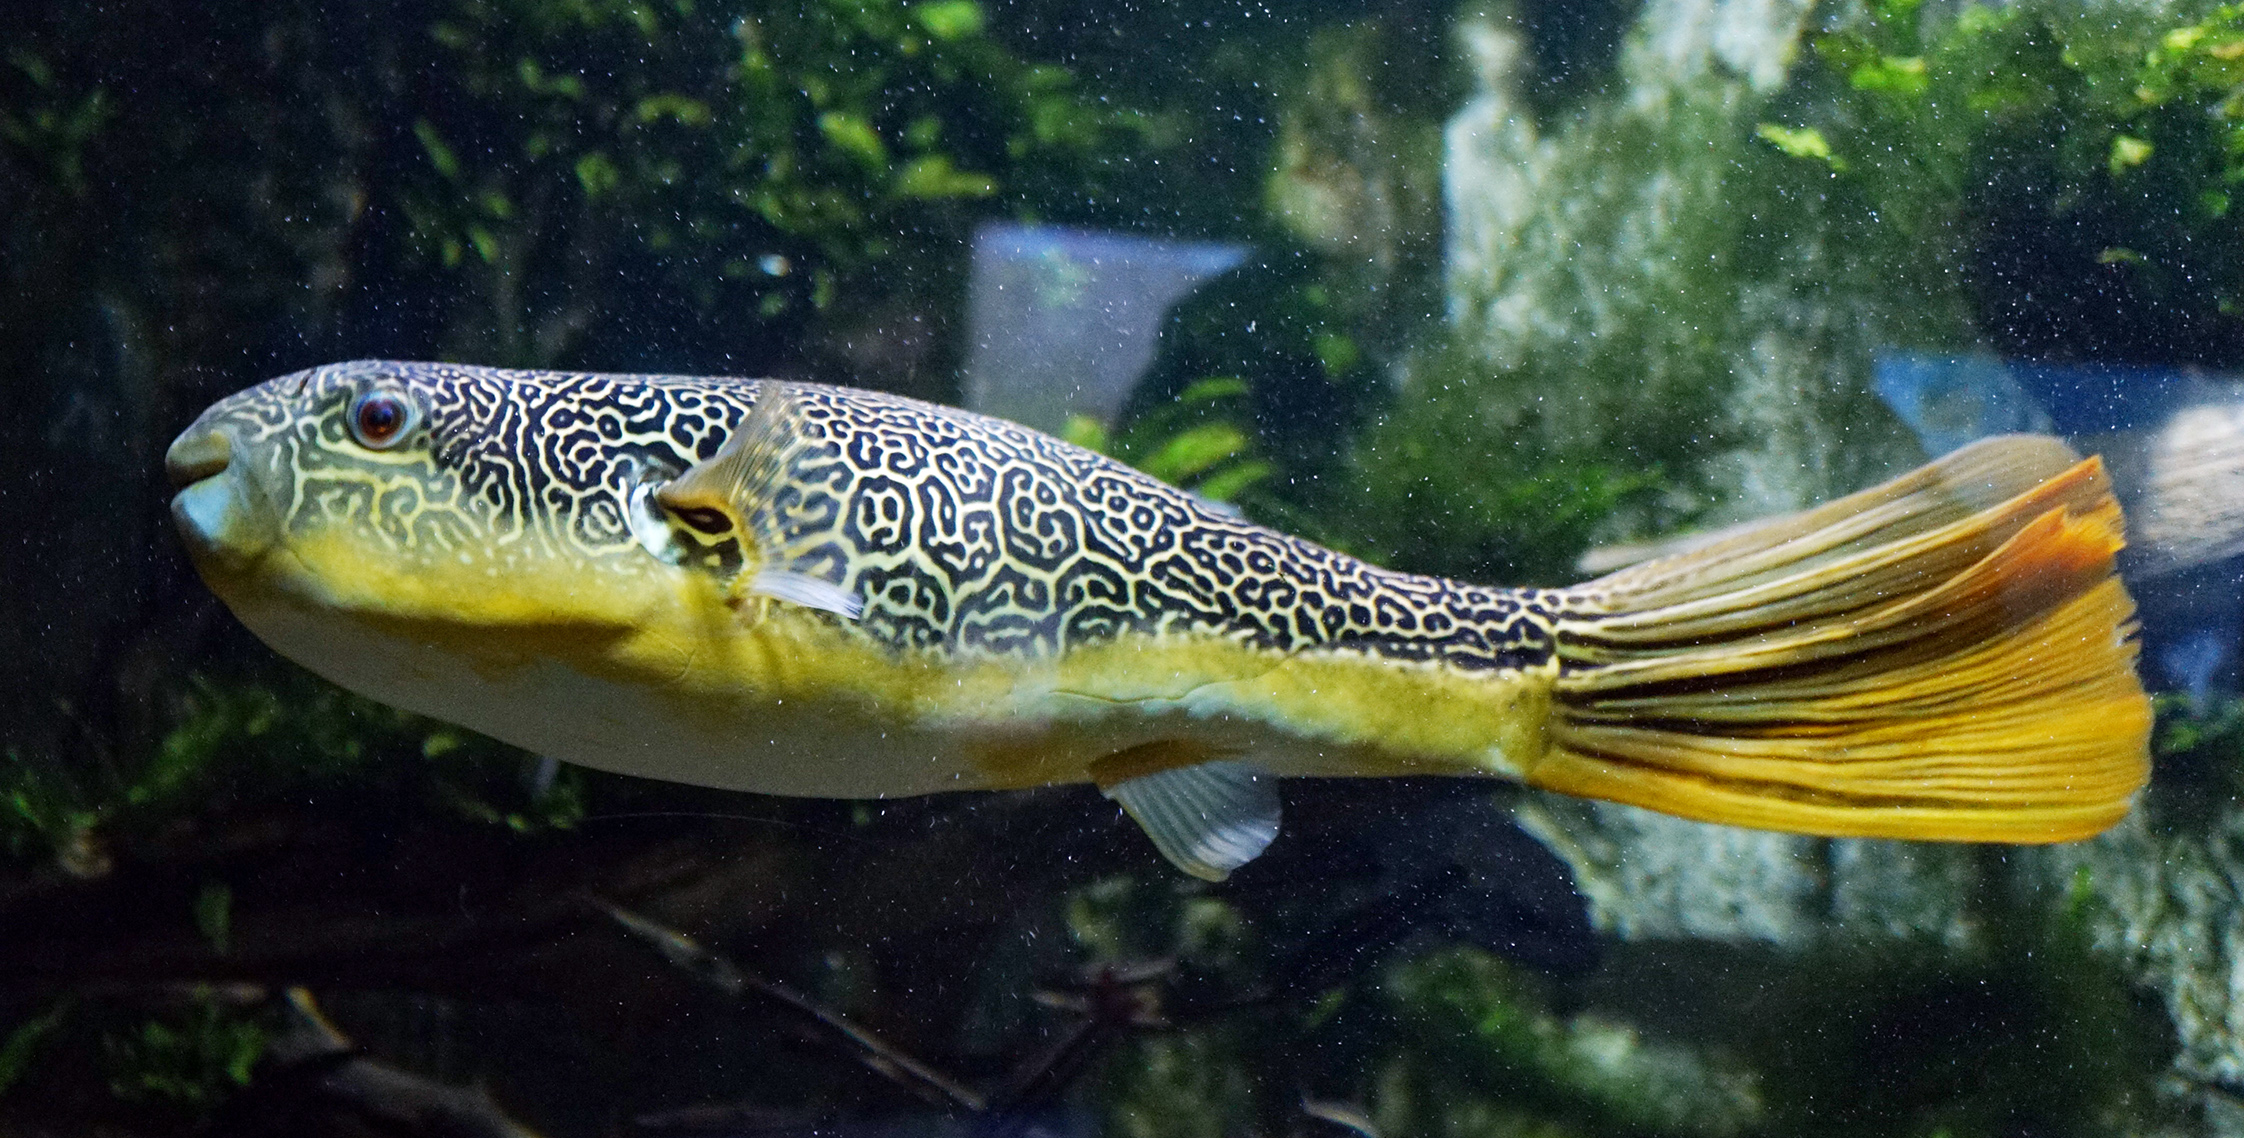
x=806, y=590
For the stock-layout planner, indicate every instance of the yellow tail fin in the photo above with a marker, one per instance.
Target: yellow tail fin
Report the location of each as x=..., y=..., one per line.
x=1946, y=657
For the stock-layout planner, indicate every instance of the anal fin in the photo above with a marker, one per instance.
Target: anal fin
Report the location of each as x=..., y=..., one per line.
x=1208, y=818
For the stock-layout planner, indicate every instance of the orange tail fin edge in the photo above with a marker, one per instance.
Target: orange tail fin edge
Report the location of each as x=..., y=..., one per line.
x=1947, y=657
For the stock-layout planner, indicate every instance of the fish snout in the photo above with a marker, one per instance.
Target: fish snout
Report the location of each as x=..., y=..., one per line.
x=198, y=453
x=218, y=510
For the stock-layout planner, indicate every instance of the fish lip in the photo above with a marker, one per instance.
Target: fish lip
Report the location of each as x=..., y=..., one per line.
x=197, y=455
x=204, y=514
x=218, y=510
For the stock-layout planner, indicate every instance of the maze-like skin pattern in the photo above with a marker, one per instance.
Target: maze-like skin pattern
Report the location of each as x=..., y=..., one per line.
x=961, y=534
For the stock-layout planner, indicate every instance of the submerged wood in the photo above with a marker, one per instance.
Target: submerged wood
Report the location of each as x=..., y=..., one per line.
x=2182, y=483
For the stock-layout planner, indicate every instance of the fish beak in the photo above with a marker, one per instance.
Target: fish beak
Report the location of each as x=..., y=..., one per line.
x=196, y=454
x=214, y=509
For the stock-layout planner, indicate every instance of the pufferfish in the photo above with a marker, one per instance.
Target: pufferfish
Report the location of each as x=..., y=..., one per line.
x=798, y=589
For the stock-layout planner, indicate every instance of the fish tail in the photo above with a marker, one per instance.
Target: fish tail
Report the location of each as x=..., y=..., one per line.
x=1947, y=657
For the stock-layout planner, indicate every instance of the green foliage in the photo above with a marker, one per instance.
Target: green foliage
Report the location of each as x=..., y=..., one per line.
x=779, y=160
x=1195, y=442
x=779, y=154
x=1479, y=1038
x=326, y=734
x=44, y=813
x=1805, y=142
x=1187, y=1085
x=302, y=735
x=2036, y=177
x=1294, y=375
x=1454, y=479
x=2186, y=727
x=1451, y=1040
x=237, y=743
x=2088, y=153
x=2198, y=749
x=189, y=1060
x=2029, y=1031
x=1124, y=919
x=1459, y=480
x=1646, y=325
x=22, y=1047
x=55, y=125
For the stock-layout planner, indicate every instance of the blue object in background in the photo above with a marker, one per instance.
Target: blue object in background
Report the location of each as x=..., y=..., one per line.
x=2092, y=398
x=2192, y=620
x=1065, y=321
x=1951, y=400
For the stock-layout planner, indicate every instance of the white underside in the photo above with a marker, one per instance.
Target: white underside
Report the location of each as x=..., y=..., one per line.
x=787, y=748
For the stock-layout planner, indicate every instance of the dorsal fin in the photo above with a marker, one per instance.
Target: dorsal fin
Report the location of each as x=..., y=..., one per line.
x=736, y=489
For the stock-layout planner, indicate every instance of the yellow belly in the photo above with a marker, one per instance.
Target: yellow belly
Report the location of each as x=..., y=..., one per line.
x=658, y=675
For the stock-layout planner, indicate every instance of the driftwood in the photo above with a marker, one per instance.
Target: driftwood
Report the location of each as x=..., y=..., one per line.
x=2182, y=483
x=729, y=979
x=313, y=1059
x=1107, y=1002
x=332, y=901
x=590, y=924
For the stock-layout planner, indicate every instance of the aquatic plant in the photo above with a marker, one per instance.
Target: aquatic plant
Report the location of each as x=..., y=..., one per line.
x=1816, y=188
x=767, y=158
x=1464, y=477
x=301, y=185
x=2215, y=730
x=2071, y=169
x=290, y=737
x=1629, y=279
x=1194, y=442
x=188, y=1060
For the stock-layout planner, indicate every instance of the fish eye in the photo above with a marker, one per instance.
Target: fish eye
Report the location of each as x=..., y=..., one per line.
x=379, y=419
x=704, y=518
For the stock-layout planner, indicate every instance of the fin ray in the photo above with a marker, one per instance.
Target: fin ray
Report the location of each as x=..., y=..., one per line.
x=807, y=591
x=739, y=478
x=1966, y=482
x=1946, y=657
x=741, y=483
x=1206, y=819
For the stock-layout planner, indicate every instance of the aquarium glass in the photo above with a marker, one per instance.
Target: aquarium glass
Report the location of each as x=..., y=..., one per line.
x=1155, y=569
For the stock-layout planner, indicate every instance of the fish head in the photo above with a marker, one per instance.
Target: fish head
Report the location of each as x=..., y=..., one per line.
x=501, y=511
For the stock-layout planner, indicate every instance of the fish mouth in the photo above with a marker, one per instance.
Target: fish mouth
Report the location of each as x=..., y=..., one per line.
x=196, y=455
x=214, y=509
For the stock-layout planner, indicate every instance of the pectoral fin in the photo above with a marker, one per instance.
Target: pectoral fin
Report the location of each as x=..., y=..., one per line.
x=806, y=590
x=737, y=482
x=1207, y=819
x=735, y=495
